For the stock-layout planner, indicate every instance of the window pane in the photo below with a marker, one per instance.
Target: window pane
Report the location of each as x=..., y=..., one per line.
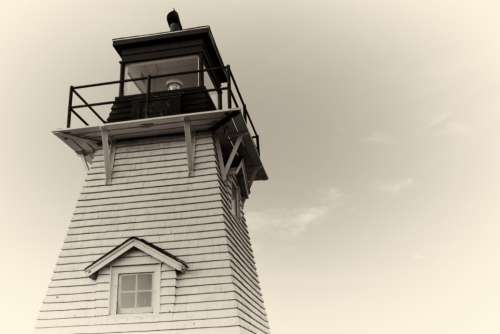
x=127, y=299
x=127, y=282
x=145, y=281
x=163, y=67
x=144, y=299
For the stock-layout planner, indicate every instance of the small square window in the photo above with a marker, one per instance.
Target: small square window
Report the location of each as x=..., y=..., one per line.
x=135, y=293
x=135, y=289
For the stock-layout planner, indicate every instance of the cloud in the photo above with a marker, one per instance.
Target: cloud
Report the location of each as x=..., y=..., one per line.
x=304, y=219
x=395, y=186
x=439, y=119
x=291, y=223
x=417, y=257
x=443, y=124
x=379, y=138
x=287, y=223
x=455, y=128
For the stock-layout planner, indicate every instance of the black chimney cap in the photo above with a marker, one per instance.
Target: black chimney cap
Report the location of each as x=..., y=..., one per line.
x=173, y=20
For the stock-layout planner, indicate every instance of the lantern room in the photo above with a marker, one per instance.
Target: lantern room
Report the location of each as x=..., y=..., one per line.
x=168, y=73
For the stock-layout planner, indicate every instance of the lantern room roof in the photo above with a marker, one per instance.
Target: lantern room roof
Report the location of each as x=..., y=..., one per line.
x=171, y=44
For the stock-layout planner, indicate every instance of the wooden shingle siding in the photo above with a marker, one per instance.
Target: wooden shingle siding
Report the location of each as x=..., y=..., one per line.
x=127, y=324
x=179, y=193
x=151, y=197
x=247, y=291
x=172, y=224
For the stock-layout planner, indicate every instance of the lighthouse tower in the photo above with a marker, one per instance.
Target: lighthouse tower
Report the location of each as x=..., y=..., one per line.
x=158, y=241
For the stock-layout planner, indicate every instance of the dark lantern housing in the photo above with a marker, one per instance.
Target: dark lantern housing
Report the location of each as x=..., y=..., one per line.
x=176, y=68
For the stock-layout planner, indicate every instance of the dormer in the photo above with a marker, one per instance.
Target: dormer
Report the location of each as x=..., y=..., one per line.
x=133, y=276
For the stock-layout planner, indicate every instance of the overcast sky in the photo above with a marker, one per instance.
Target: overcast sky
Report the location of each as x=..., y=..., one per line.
x=379, y=124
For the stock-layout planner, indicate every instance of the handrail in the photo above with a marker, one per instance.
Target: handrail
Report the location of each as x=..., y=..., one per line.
x=92, y=109
x=231, y=97
x=79, y=117
x=246, y=115
x=114, y=82
x=236, y=86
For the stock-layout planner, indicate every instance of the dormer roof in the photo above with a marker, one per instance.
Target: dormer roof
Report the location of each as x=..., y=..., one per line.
x=159, y=254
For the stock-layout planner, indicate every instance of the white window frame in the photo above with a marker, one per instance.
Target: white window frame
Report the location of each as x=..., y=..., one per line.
x=154, y=269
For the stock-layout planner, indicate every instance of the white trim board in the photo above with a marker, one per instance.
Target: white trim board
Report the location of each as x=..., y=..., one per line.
x=93, y=269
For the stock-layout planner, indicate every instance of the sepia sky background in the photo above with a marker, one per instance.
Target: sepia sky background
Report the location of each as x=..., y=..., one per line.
x=379, y=124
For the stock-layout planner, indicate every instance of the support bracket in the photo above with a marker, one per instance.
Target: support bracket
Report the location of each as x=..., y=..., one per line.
x=80, y=139
x=190, y=146
x=220, y=159
x=230, y=159
x=241, y=167
x=86, y=160
x=108, y=151
x=79, y=144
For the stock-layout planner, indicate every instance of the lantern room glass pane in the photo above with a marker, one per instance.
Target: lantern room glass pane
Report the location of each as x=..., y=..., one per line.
x=163, y=67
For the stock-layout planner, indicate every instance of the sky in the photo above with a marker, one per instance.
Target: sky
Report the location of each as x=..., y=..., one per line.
x=379, y=130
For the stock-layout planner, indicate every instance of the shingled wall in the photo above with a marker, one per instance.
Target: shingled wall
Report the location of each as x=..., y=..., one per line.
x=151, y=197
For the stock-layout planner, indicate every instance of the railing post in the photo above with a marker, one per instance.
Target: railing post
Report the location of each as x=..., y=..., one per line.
x=148, y=97
x=229, y=94
x=70, y=107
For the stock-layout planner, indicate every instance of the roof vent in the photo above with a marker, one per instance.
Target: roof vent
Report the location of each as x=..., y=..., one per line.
x=173, y=20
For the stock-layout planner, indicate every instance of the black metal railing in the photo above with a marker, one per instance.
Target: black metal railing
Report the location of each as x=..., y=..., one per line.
x=230, y=90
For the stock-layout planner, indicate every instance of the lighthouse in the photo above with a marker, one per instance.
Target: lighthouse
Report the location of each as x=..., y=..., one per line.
x=158, y=241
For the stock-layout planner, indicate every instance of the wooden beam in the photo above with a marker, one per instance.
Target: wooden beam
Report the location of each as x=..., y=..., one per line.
x=189, y=146
x=113, y=153
x=220, y=158
x=85, y=145
x=108, y=156
x=241, y=167
x=245, y=178
x=90, y=141
x=84, y=160
x=224, y=121
x=229, y=161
